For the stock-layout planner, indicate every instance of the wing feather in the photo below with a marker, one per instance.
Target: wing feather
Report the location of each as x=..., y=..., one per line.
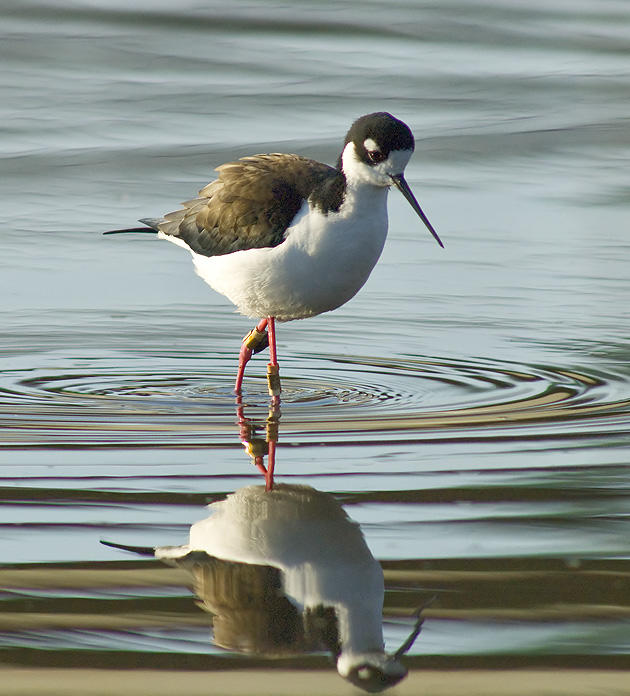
x=250, y=205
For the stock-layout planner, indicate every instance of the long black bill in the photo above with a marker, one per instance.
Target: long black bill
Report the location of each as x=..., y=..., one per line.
x=416, y=630
x=403, y=187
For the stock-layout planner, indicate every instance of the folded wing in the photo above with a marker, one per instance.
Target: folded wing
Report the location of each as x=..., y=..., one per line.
x=250, y=205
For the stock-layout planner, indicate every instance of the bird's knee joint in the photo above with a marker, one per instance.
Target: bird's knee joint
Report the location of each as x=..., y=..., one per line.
x=256, y=341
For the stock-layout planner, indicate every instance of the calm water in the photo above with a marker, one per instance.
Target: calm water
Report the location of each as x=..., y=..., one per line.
x=470, y=408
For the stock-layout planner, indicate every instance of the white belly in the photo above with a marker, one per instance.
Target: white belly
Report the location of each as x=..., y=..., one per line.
x=323, y=262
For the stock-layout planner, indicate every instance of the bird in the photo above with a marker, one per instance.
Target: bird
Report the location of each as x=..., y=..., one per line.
x=285, y=237
x=285, y=571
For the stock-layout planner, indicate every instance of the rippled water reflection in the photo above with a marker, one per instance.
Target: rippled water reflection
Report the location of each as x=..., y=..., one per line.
x=334, y=396
x=470, y=408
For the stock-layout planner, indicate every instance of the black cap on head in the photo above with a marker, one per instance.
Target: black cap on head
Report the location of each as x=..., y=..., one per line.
x=372, y=678
x=387, y=132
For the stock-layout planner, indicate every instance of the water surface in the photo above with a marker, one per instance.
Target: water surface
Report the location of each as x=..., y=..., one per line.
x=470, y=408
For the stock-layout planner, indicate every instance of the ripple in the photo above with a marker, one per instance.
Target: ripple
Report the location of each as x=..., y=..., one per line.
x=332, y=397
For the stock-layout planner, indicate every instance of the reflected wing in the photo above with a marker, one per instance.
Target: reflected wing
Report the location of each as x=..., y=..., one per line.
x=250, y=205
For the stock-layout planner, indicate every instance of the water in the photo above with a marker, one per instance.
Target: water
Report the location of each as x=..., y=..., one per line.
x=470, y=408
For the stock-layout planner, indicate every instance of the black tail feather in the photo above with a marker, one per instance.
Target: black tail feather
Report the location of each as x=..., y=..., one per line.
x=152, y=226
x=140, y=550
x=146, y=230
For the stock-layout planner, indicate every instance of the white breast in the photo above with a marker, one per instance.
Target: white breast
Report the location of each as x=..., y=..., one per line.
x=323, y=262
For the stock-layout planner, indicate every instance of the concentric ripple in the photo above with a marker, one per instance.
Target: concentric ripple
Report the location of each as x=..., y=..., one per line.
x=142, y=400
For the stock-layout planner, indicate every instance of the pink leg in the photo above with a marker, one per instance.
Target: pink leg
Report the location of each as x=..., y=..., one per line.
x=273, y=369
x=273, y=422
x=271, y=465
x=260, y=465
x=273, y=353
x=255, y=446
x=246, y=353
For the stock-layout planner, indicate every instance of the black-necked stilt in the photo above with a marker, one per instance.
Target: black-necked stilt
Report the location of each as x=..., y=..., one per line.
x=288, y=568
x=284, y=237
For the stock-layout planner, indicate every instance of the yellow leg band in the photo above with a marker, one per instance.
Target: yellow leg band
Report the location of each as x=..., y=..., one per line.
x=255, y=339
x=273, y=380
x=256, y=447
x=272, y=427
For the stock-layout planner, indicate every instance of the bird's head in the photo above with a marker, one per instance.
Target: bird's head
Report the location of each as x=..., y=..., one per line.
x=372, y=672
x=376, y=151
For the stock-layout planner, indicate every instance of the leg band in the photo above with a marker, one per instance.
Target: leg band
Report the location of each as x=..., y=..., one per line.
x=256, y=340
x=273, y=380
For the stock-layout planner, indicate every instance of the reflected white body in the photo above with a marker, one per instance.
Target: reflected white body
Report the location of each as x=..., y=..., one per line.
x=321, y=553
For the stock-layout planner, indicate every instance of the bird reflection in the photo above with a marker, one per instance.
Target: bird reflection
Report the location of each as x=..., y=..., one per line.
x=284, y=570
x=258, y=447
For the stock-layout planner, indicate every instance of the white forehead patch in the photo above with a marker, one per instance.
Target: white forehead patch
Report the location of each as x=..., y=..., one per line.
x=370, y=145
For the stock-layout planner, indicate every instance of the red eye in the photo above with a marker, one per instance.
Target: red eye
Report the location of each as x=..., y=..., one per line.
x=376, y=156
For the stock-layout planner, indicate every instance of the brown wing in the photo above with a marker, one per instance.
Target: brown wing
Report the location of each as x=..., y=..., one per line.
x=250, y=205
